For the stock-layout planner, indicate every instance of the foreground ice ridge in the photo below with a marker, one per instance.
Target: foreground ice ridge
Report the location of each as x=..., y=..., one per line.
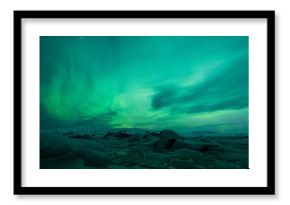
x=140, y=149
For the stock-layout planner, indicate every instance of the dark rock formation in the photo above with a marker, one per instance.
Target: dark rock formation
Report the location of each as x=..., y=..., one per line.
x=119, y=135
x=169, y=134
x=81, y=136
x=196, y=146
x=68, y=133
x=156, y=134
x=167, y=140
x=135, y=138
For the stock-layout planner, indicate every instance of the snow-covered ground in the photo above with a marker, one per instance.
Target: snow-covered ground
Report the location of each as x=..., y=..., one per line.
x=132, y=148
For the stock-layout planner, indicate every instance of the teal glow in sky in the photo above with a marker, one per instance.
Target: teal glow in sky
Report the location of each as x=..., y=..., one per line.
x=154, y=82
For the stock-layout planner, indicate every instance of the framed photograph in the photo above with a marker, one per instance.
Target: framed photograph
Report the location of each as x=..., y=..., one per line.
x=144, y=102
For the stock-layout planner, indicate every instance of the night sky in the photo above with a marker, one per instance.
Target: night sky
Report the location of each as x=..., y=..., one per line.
x=197, y=83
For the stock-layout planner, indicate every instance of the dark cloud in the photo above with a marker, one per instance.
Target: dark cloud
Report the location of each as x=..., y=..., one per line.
x=165, y=97
x=226, y=88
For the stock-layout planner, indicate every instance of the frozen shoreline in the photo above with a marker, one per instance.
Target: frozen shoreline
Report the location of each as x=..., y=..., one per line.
x=73, y=148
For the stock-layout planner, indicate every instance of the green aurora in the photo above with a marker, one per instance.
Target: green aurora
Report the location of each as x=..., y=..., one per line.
x=153, y=82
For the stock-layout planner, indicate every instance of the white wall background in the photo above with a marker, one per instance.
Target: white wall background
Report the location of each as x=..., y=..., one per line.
x=282, y=98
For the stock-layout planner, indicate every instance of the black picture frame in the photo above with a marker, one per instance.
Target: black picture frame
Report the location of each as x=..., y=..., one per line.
x=269, y=189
